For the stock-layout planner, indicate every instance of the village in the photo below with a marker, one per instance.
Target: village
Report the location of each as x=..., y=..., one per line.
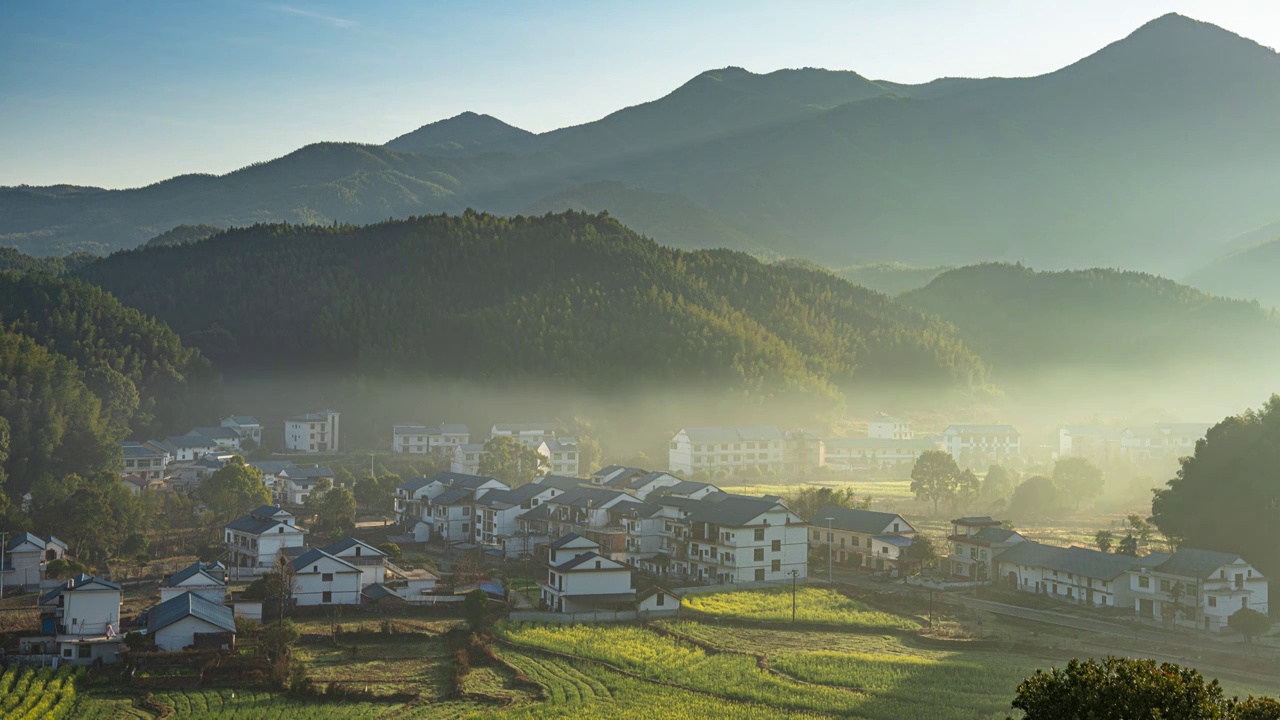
x=612, y=544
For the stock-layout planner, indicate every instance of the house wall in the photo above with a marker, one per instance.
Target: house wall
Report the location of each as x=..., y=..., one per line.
x=684, y=456
x=87, y=612
x=27, y=569
x=181, y=634
x=309, y=587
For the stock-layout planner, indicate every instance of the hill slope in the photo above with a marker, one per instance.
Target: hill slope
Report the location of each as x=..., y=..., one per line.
x=1131, y=156
x=567, y=297
x=464, y=134
x=1249, y=273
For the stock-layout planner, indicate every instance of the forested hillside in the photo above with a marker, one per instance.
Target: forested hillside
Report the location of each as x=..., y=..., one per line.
x=1249, y=272
x=146, y=380
x=1022, y=322
x=569, y=297
x=1134, y=156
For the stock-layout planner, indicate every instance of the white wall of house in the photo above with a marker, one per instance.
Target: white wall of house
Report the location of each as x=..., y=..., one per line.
x=199, y=586
x=687, y=456
x=89, y=611
x=326, y=582
x=181, y=634
x=311, y=435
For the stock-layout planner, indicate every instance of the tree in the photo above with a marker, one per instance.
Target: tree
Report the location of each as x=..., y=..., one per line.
x=1122, y=689
x=507, y=460
x=476, y=609
x=1104, y=540
x=371, y=493
x=336, y=511
x=999, y=483
x=94, y=515
x=934, y=476
x=1128, y=545
x=1141, y=528
x=1249, y=622
x=1078, y=479
x=1226, y=496
x=234, y=489
x=63, y=568
x=1037, y=497
x=805, y=502
x=921, y=554
x=276, y=640
x=968, y=486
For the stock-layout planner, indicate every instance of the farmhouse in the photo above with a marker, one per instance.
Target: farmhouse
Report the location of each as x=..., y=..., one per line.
x=888, y=427
x=322, y=579
x=424, y=439
x=497, y=512
x=1198, y=588
x=561, y=454
x=143, y=460
x=256, y=539
x=371, y=561
x=207, y=580
x=975, y=543
x=725, y=538
x=246, y=426
x=295, y=484
x=466, y=458
x=530, y=435
x=1073, y=574
x=580, y=579
x=191, y=620
x=81, y=620
x=25, y=557
x=861, y=538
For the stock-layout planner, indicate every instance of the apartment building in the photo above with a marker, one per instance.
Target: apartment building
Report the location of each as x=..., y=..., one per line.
x=424, y=439
x=712, y=449
x=313, y=432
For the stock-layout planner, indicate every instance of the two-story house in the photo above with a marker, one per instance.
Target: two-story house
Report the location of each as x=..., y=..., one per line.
x=584, y=510
x=1198, y=588
x=724, y=538
x=979, y=444
x=580, y=579
x=295, y=484
x=411, y=495
x=424, y=439
x=186, y=448
x=861, y=538
x=562, y=455
x=208, y=580
x=466, y=458
x=497, y=513
x=313, y=432
x=246, y=426
x=1161, y=442
x=440, y=507
x=25, y=557
x=323, y=579
x=530, y=435
x=1072, y=574
x=371, y=561
x=975, y=543
x=712, y=449
x=144, y=460
x=81, y=620
x=256, y=539
x=224, y=438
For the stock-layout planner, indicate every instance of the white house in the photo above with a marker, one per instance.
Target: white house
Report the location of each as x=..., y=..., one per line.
x=441, y=507
x=411, y=495
x=186, y=448
x=1072, y=574
x=371, y=561
x=256, y=539
x=652, y=482
x=25, y=557
x=615, y=476
x=190, y=619
x=205, y=579
x=561, y=454
x=83, y=617
x=658, y=602
x=888, y=427
x=295, y=484
x=1161, y=442
x=580, y=579
x=861, y=538
x=322, y=579
x=423, y=439
x=246, y=426
x=724, y=538
x=975, y=543
x=584, y=510
x=224, y=438
x=1198, y=588
x=531, y=435
x=875, y=453
x=313, y=432
x=466, y=458
x=496, y=514
x=975, y=444
x=144, y=460
x=712, y=449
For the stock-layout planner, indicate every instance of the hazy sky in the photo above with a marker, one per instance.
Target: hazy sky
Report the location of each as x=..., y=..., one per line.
x=121, y=94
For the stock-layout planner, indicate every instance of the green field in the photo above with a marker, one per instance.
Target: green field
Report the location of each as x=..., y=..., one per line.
x=819, y=606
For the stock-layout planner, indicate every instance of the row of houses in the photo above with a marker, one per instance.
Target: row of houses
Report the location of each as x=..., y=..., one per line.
x=1104, y=446
x=454, y=441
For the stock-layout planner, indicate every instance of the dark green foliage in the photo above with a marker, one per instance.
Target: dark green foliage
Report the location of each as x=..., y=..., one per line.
x=1078, y=479
x=184, y=235
x=335, y=511
x=935, y=477
x=234, y=489
x=12, y=259
x=147, y=380
x=999, y=483
x=1025, y=322
x=1125, y=689
x=96, y=516
x=56, y=426
x=510, y=462
x=805, y=502
x=1128, y=545
x=63, y=568
x=1036, y=498
x=1247, y=271
x=476, y=610
x=1226, y=496
x=1249, y=622
x=921, y=554
x=566, y=297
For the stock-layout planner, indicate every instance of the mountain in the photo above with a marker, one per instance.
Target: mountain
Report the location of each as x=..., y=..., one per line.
x=11, y=259
x=1133, y=156
x=892, y=279
x=464, y=134
x=1248, y=272
x=1102, y=324
x=184, y=234
x=666, y=217
x=569, y=298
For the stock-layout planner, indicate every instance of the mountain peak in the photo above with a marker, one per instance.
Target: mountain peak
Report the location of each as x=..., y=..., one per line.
x=466, y=133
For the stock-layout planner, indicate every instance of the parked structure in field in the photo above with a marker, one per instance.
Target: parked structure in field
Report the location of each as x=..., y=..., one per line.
x=979, y=444
x=256, y=539
x=191, y=620
x=861, y=538
x=711, y=449
x=424, y=439
x=1198, y=589
x=25, y=558
x=247, y=426
x=209, y=580
x=1072, y=574
x=322, y=579
x=580, y=579
x=888, y=427
x=80, y=621
x=1162, y=442
x=313, y=432
x=975, y=543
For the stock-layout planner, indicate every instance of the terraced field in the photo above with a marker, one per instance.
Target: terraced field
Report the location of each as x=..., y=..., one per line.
x=813, y=605
x=413, y=665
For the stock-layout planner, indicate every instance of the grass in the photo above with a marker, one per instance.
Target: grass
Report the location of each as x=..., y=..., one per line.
x=411, y=665
x=813, y=605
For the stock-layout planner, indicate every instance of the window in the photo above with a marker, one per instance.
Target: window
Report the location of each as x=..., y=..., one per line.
x=777, y=545
x=816, y=536
x=1239, y=580
x=759, y=555
x=1144, y=582
x=760, y=575
x=84, y=652
x=326, y=577
x=357, y=551
x=895, y=527
x=776, y=566
x=1164, y=586
x=280, y=530
x=660, y=600
x=326, y=596
x=759, y=535
x=597, y=564
x=1213, y=601
x=842, y=542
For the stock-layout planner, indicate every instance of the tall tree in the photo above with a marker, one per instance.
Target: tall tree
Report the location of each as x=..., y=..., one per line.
x=920, y=554
x=234, y=489
x=1226, y=496
x=934, y=476
x=336, y=510
x=514, y=464
x=1080, y=480
x=1104, y=540
x=968, y=487
x=1128, y=545
x=999, y=483
x=806, y=501
x=1037, y=497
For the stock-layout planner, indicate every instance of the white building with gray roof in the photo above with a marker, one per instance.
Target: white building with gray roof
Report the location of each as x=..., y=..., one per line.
x=714, y=448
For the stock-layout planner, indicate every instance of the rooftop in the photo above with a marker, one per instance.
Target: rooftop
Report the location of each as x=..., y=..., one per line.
x=190, y=604
x=868, y=522
x=1199, y=564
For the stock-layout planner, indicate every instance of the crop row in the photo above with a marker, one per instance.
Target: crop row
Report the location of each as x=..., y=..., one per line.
x=812, y=605
x=37, y=694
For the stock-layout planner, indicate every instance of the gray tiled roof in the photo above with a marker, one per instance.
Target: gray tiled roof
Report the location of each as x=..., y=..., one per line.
x=347, y=543
x=242, y=419
x=196, y=568
x=311, y=556
x=310, y=472
x=453, y=496
x=542, y=427
x=647, y=478
x=564, y=540
x=989, y=429
x=1074, y=560
x=580, y=560
x=1190, y=562
x=852, y=520
x=378, y=591
x=731, y=510
x=561, y=482
x=132, y=449
x=190, y=604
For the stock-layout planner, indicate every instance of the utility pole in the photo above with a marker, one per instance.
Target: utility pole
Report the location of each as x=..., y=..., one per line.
x=830, y=542
x=793, y=596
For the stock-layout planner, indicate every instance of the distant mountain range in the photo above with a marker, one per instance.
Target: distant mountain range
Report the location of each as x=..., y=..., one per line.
x=1140, y=155
x=1249, y=269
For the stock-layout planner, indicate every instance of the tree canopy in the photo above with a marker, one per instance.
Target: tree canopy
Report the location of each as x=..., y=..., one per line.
x=1035, y=498
x=935, y=477
x=234, y=489
x=1079, y=480
x=507, y=460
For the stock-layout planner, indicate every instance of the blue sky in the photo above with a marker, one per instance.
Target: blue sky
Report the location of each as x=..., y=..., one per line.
x=121, y=94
